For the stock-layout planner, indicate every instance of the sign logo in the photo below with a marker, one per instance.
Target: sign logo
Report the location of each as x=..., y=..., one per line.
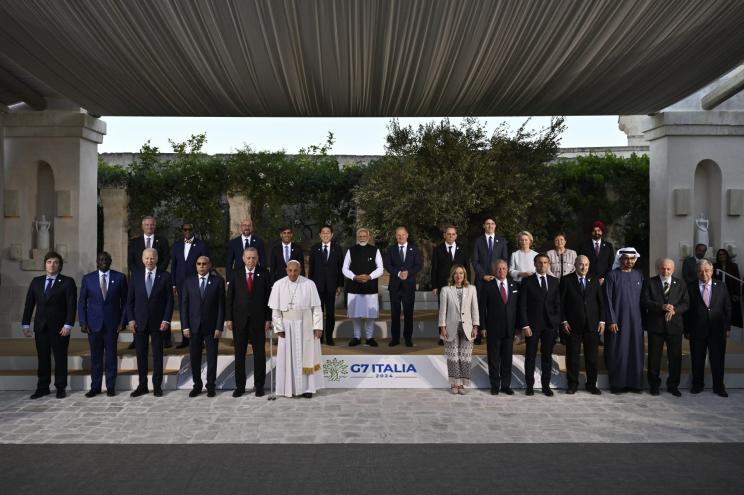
x=335, y=369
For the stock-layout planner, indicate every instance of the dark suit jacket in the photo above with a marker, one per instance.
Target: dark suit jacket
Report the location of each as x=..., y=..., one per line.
x=441, y=263
x=276, y=260
x=99, y=314
x=652, y=299
x=181, y=267
x=203, y=315
x=538, y=309
x=327, y=274
x=235, y=255
x=239, y=307
x=583, y=310
x=412, y=264
x=701, y=321
x=481, y=261
x=54, y=310
x=599, y=266
x=689, y=270
x=500, y=319
x=137, y=245
x=148, y=313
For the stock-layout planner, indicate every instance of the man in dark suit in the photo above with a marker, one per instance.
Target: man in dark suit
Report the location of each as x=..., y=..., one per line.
x=665, y=299
x=137, y=245
x=708, y=325
x=486, y=249
x=102, y=310
x=53, y=296
x=600, y=252
x=539, y=314
x=247, y=314
x=236, y=247
x=283, y=252
x=202, y=319
x=689, y=266
x=582, y=310
x=443, y=257
x=326, y=261
x=499, y=321
x=149, y=310
x=402, y=261
x=183, y=264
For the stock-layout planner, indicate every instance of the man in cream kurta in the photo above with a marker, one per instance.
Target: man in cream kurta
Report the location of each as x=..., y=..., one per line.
x=298, y=321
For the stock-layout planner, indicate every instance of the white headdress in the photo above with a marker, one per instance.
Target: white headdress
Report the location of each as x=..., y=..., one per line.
x=628, y=251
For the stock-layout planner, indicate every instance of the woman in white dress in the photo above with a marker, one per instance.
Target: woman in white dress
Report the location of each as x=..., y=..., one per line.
x=522, y=262
x=458, y=325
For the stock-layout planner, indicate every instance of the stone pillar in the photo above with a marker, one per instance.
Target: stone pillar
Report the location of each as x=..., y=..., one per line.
x=67, y=142
x=240, y=209
x=115, y=204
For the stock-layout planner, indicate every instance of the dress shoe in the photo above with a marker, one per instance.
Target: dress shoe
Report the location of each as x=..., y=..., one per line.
x=196, y=391
x=139, y=391
x=354, y=342
x=182, y=345
x=211, y=392
x=570, y=391
x=92, y=393
x=594, y=391
x=393, y=343
x=547, y=392
x=307, y=395
x=61, y=394
x=371, y=342
x=441, y=342
x=529, y=391
x=330, y=342
x=409, y=343
x=721, y=393
x=507, y=390
x=238, y=392
x=158, y=392
x=111, y=392
x=675, y=392
x=696, y=390
x=260, y=392
x=477, y=340
x=131, y=345
x=40, y=393
x=494, y=391
x=654, y=391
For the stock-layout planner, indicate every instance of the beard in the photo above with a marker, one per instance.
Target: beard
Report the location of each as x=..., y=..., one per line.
x=363, y=243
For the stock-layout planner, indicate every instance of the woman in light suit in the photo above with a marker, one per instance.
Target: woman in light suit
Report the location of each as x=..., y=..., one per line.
x=458, y=325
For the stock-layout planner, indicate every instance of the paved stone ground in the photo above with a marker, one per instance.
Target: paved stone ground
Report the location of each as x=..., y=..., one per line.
x=372, y=416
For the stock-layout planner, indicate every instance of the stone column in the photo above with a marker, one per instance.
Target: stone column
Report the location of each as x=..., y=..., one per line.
x=240, y=209
x=115, y=204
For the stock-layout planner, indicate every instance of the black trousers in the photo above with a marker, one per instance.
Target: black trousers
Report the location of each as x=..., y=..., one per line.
x=257, y=338
x=328, y=304
x=405, y=296
x=500, y=353
x=195, y=352
x=546, y=339
x=49, y=342
x=715, y=347
x=656, y=343
x=590, y=340
x=142, y=338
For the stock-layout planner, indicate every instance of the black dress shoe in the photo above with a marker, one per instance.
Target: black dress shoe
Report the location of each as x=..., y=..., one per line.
x=594, y=391
x=570, y=391
x=330, y=342
x=131, y=345
x=371, y=343
x=675, y=392
x=307, y=395
x=158, y=392
x=547, y=392
x=40, y=393
x=195, y=392
x=92, y=393
x=211, y=392
x=354, y=342
x=238, y=392
x=61, y=394
x=507, y=390
x=393, y=343
x=409, y=343
x=259, y=392
x=529, y=391
x=721, y=393
x=696, y=390
x=111, y=392
x=654, y=391
x=182, y=344
x=494, y=391
x=139, y=391
x=441, y=342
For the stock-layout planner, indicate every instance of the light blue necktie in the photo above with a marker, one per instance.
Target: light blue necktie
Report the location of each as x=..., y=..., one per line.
x=286, y=254
x=148, y=284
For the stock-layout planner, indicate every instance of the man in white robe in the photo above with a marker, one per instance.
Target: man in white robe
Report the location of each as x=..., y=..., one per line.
x=298, y=321
x=362, y=267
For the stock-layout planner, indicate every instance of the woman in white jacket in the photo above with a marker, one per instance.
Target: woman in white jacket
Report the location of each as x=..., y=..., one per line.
x=458, y=325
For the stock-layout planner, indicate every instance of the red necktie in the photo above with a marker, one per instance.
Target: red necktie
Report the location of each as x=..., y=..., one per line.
x=503, y=292
x=249, y=280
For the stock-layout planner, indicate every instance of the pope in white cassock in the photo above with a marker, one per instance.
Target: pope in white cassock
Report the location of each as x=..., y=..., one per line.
x=298, y=321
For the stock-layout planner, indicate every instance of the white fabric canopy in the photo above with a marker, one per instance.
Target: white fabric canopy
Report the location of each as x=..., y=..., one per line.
x=367, y=57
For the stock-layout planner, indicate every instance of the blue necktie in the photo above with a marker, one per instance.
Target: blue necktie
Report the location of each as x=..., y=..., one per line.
x=148, y=284
x=49, y=283
x=202, y=286
x=583, y=283
x=286, y=254
x=325, y=253
x=490, y=246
